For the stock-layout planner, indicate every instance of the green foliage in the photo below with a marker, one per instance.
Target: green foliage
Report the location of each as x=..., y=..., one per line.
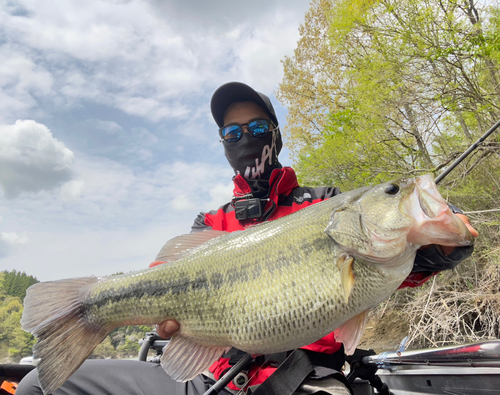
x=122, y=342
x=14, y=342
x=2, y=288
x=131, y=346
x=104, y=350
x=381, y=89
x=16, y=283
x=378, y=89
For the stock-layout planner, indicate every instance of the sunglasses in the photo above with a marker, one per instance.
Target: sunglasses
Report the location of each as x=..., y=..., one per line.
x=257, y=128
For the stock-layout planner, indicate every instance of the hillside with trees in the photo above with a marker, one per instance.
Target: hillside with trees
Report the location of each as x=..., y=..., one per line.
x=14, y=342
x=377, y=90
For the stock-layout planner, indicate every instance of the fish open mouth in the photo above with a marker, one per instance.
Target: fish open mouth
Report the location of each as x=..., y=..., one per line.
x=435, y=222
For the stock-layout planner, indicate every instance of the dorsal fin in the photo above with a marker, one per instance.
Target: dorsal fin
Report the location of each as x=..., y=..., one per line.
x=179, y=246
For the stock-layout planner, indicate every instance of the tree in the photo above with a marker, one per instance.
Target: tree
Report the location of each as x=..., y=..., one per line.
x=2, y=288
x=16, y=283
x=104, y=350
x=13, y=339
x=382, y=88
x=378, y=89
x=14, y=342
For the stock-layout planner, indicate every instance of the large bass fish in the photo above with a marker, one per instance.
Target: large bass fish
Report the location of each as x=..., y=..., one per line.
x=271, y=288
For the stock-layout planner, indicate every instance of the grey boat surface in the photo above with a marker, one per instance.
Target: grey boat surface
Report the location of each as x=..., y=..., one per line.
x=472, y=369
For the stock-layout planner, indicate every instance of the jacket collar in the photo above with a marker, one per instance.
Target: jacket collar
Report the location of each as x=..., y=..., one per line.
x=281, y=183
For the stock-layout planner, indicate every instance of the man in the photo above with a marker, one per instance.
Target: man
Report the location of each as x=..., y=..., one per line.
x=252, y=142
x=264, y=191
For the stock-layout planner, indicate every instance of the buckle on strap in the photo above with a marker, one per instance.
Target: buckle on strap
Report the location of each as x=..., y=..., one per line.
x=291, y=374
x=288, y=377
x=234, y=356
x=333, y=361
x=275, y=359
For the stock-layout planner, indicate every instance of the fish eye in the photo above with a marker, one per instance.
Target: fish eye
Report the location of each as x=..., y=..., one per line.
x=392, y=189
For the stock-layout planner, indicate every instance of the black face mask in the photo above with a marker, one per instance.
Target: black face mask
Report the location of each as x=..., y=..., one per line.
x=253, y=157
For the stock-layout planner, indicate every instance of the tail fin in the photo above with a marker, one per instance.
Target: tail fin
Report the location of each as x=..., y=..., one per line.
x=53, y=313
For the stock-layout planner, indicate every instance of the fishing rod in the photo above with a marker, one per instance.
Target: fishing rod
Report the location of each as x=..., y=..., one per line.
x=466, y=153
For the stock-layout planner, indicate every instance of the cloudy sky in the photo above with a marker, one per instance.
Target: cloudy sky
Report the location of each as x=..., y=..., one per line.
x=107, y=145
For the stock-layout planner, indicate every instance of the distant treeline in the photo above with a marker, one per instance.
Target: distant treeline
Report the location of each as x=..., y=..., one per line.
x=16, y=283
x=14, y=342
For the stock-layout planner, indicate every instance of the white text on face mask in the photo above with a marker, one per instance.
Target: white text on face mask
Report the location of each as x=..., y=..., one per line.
x=267, y=155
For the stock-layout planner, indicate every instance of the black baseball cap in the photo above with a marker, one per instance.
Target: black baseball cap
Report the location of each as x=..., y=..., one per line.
x=233, y=92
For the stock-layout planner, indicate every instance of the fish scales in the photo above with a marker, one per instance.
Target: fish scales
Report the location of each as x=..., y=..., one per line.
x=271, y=288
x=215, y=304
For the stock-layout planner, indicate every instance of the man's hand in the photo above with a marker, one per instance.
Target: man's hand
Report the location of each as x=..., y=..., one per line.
x=447, y=250
x=167, y=328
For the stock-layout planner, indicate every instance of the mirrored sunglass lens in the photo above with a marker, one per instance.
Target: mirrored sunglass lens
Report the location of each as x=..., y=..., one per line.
x=231, y=133
x=259, y=127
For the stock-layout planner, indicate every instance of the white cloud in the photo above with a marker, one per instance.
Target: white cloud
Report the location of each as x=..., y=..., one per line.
x=188, y=185
x=20, y=73
x=21, y=81
x=146, y=58
x=72, y=190
x=31, y=159
x=9, y=242
x=112, y=219
x=220, y=194
x=146, y=136
x=108, y=193
x=90, y=31
x=109, y=127
x=182, y=203
x=151, y=108
x=225, y=15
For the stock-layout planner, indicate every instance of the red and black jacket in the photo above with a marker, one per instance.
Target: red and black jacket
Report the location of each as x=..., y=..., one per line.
x=285, y=197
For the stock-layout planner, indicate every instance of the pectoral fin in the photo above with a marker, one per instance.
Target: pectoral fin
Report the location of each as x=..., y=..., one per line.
x=351, y=331
x=183, y=359
x=347, y=277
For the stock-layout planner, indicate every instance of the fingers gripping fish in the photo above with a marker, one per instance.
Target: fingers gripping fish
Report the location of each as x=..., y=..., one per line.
x=271, y=288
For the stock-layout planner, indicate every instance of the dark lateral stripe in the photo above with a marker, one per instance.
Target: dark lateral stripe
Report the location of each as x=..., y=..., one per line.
x=147, y=288
x=214, y=281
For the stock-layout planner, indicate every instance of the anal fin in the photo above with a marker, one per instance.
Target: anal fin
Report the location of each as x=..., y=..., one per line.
x=183, y=359
x=350, y=332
